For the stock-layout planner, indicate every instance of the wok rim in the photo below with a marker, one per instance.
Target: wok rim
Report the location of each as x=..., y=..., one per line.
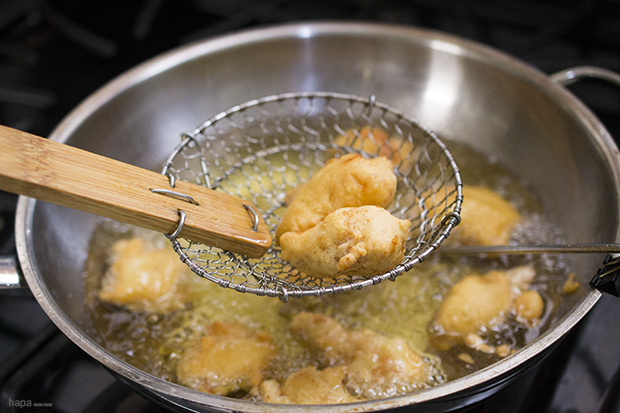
x=450, y=392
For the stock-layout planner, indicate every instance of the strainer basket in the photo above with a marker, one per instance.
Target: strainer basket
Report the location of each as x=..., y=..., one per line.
x=261, y=149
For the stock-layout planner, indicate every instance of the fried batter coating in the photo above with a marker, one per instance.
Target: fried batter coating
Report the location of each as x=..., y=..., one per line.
x=377, y=141
x=366, y=240
x=349, y=181
x=571, y=285
x=309, y=386
x=382, y=366
x=473, y=303
x=228, y=359
x=528, y=308
x=521, y=277
x=476, y=303
x=376, y=365
x=486, y=218
x=144, y=278
x=323, y=335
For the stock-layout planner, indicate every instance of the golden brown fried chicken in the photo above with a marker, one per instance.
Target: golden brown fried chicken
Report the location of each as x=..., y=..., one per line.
x=377, y=142
x=228, y=359
x=366, y=240
x=323, y=335
x=479, y=302
x=528, y=308
x=144, y=278
x=308, y=386
x=349, y=181
x=486, y=218
x=376, y=365
x=571, y=285
x=473, y=303
x=382, y=366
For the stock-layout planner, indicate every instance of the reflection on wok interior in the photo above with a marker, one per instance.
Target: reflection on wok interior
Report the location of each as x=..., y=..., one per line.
x=440, y=321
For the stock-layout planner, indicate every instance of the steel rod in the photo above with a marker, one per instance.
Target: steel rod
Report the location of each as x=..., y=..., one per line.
x=532, y=249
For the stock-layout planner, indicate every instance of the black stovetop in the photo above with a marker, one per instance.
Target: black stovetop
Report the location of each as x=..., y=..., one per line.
x=53, y=54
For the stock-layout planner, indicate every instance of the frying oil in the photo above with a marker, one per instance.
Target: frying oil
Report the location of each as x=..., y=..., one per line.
x=403, y=308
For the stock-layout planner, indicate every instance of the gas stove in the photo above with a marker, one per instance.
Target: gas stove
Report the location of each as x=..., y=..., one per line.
x=54, y=53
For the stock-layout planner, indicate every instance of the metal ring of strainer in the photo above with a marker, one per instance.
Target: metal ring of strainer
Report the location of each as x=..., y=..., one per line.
x=261, y=149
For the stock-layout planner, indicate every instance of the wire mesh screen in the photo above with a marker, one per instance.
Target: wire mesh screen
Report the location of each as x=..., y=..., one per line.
x=262, y=149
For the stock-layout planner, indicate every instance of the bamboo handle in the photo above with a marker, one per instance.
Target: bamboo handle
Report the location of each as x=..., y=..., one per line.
x=52, y=172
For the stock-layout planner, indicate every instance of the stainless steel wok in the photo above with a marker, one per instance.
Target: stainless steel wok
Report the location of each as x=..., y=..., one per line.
x=462, y=90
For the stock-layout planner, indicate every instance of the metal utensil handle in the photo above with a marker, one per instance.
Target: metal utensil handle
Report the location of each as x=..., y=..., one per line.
x=533, y=249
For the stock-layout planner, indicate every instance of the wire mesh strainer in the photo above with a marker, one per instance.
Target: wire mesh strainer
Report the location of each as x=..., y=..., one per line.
x=263, y=148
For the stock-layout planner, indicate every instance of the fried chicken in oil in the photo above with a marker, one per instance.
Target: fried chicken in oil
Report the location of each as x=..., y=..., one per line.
x=308, y=386
x=486, y=218
x=528, y=308
x=376, y=365
x=323, y=335
x=366, y=240
x=473, y=303
x=383, y=366
x=378, y=142
x=144, y=278
x=230, y=358
x=479, y=302
x=349, y=181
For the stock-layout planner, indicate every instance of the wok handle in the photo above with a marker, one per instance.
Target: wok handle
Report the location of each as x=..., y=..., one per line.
x=571, y=75
x=50, y=171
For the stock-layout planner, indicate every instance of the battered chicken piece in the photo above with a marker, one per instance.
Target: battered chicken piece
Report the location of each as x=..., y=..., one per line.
x=476, y=303
x=323, y=335
x=377, y=141
x=376, y=365
x=349, y=181
x=571, y=285
x=486, y=218
x=528, y=308
x=473, y=303
x=228, y=359
x=309, y=386
x=366, y=240
x=381, y=366
x=144, y=278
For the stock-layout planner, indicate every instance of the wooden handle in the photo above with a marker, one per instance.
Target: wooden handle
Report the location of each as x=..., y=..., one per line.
x=50, y=171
